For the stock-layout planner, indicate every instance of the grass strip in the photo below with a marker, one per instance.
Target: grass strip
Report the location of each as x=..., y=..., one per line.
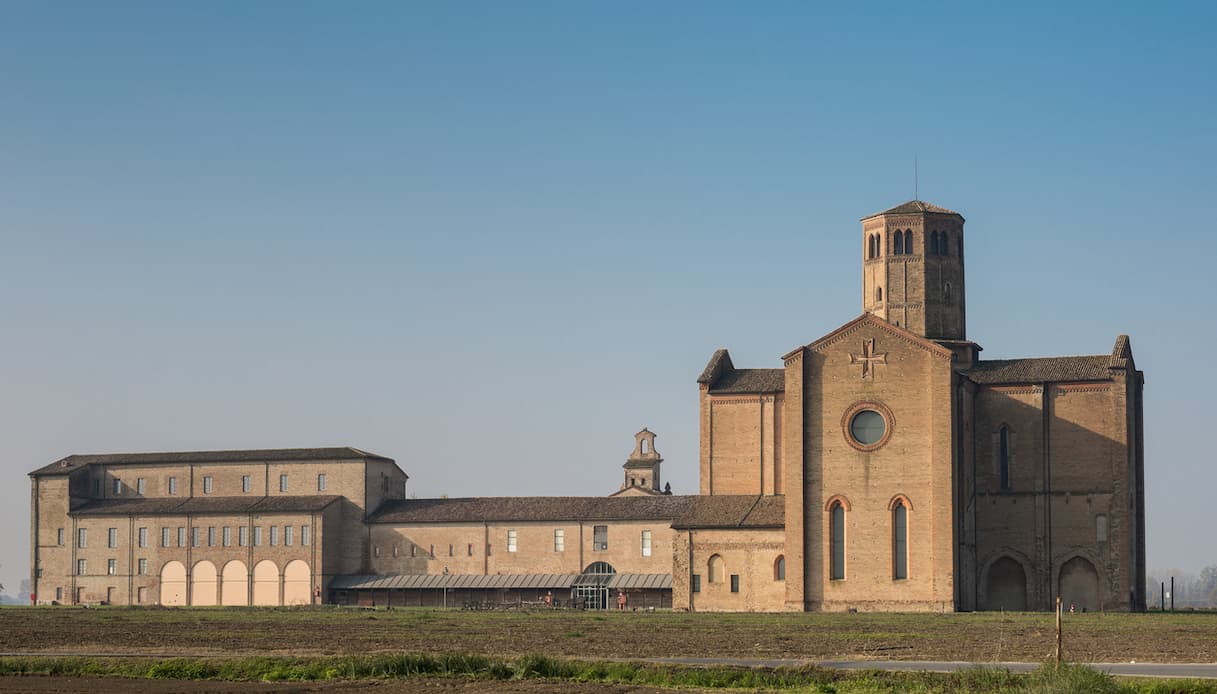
x=1048, y=679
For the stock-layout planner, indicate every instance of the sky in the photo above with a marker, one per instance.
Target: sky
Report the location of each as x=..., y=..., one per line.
x=494, y=240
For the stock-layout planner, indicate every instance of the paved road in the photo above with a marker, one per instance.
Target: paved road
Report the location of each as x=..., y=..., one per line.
x=1174, y=670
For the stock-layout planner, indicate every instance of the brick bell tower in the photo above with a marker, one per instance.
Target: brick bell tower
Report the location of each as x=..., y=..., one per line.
x=912, y=269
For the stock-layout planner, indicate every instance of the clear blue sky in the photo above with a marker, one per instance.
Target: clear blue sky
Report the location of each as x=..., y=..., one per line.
x=493, y=240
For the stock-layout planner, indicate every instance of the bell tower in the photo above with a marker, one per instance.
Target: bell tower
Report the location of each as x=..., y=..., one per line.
x=912, y=269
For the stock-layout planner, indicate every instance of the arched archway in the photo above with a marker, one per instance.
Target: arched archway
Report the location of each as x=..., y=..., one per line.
x=591, y=587
x=714, y=569
x=266, y=583
x=203, y=588
x=1079, y=585
x=173, y=583
x=1006, y=586
x=296, y=583
x=234, y=589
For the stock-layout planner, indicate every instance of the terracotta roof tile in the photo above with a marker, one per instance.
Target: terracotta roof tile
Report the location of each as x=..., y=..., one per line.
x=731, y=511
x=532, y=508
x=204, y=505
x=750, y=381
x=280, y=455
x=1040, y=370
x=914, y=207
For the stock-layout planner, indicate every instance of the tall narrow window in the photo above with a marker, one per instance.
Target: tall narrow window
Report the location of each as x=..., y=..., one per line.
x=81, y=567
x=143, y=537
x=944, y=247
x=879, y=295
x=600, y=538
x=1100, y=528
x=287, y=536
x=908, y=242
x=82, y=538
x=321, y=482
x=646, y=543
x=257, y=536
x=194, y=536
x=283, y=482
x=181, y=537
x=734, y=583
x=173, y=485
x=243, y=536
x=559, y=540
x=714, y=569
x=933, y=243
x=305, y=539
x=946, y=292
x=59, y=537
x=112, y=537
x=111, y=566
x=226, y=536
x=511, y=540
x=246, y=483
x=207, y=482
x=779, y=568
x=1003, y=452
x=143, y=567
x=166, y=537
x=139, y=485
x=898, y=243
x=274, y=535
x=118, y=487
x=900, y=538
x=211, y=536
x=837, y=531
x=695, y=583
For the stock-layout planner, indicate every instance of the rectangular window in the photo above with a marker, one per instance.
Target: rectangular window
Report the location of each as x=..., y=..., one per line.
x=143, y=537
x=646, y=543
x=695, y=584
x=471, y=549
x=274, y=535
x=600, y=538
x=82, y=537
x=112, y=537
x=165, y=537
x=111, y=566
x=243, y=536
x=59, y=594
x=287, y=536
x=376, y=551
x=257, y=536
x=143, y=567
x=283, y=482
x=450, y=551
x=511, y=540
x=195, y=537
x=395, y=550
x=734, y=583
x=900, y=555
x=173, y=485
x=118, y=487
x=246, y=483
x=211, y=536
x=141, y=595
x=226, y=536
x=413, y=550
x=181, y=537
x=207, y=482
x=559, y=540
x=431, y=552
x=139, y=485
x=81, y=567
x=837, y=533
x=59, y=537
x=96, y=487
x=321, y=482
x=304, y=536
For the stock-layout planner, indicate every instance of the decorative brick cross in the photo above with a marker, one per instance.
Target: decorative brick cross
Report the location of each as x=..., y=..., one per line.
x=868, y=358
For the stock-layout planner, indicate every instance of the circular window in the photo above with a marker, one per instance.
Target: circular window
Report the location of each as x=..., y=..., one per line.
x=867, y=427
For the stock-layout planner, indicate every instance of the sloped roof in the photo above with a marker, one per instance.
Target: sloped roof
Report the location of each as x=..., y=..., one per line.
x=277, y=455
x=915, y=207
x=1040, y=370
x=750, y=381
x=734, y=512
x=532, y=508
x=204, y=505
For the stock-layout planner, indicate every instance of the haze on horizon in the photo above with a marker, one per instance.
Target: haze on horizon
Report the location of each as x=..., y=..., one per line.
x=492, y=241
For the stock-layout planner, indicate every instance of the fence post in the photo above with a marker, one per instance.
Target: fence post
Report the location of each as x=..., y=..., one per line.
x=1058, y=630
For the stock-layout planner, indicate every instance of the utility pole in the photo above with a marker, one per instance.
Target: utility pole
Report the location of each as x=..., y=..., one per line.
x=1058, y=630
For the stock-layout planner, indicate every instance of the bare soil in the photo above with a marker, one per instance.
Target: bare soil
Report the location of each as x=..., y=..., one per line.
x=979, y=637
x=114, y=685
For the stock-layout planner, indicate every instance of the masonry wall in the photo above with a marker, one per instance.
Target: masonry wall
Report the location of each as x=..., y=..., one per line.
x=741, y=447
x=750, y=555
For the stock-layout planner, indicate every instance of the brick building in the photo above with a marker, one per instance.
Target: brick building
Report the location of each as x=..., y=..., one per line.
x=884, y=466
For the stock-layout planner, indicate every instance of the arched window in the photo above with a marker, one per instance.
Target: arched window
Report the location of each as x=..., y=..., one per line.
x=779, y=568
x=908, y=242
x=946, y=292
x=1003, y=454
x=870, y=246
x=944, y=246
x=714, y=569
x=837, y=533
x=959, y=246
x=933, y=243
x=900, y=541
x=898, y=244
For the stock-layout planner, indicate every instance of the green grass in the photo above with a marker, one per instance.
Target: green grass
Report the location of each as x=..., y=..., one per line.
x=1048, y=679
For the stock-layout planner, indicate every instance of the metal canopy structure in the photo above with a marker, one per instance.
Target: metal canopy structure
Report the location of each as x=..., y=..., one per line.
x=500, y=581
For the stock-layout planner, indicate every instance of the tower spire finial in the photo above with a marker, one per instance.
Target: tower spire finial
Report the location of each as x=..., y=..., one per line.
x=916, y=192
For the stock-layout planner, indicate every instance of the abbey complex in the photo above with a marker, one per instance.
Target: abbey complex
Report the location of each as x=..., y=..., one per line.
x=883, y=466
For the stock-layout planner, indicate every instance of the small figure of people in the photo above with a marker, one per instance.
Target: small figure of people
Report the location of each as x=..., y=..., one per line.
x=1073, y=606
x=621, y=600
x=549, y=598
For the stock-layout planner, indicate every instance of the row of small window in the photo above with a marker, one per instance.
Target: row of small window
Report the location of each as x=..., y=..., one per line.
x=715, y=569
x=599, y=543
x=223, y=536
x=208, y=485
x=82, y=568
x=938, y=243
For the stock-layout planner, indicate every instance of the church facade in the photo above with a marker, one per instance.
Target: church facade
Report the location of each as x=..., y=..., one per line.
x=884, y=466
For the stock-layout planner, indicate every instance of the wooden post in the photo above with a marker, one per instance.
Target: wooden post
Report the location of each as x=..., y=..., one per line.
x=1058, y=630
